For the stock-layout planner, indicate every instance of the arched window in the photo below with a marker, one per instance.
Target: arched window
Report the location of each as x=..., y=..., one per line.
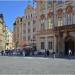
x=49, y=23
x=69, y=19
x=59, y=17
x=60, y=23
x=49, y=16
x=42, y=26
x=69, y=15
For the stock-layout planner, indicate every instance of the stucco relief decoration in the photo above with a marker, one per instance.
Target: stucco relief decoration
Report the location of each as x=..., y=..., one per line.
x=49, y=15
x=59, y=12
x=41, y=1
x=69, y=9
x=4, y=29
x=42, y=17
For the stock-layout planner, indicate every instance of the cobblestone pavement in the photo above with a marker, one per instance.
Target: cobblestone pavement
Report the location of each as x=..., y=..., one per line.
x=36, y=65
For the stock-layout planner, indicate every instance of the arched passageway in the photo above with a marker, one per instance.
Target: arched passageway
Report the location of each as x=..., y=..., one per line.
x=69, y=44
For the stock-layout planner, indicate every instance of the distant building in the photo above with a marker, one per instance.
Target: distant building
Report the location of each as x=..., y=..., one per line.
x=5, y=35
x=25, y=28
x=1, y=32
x=9, y=39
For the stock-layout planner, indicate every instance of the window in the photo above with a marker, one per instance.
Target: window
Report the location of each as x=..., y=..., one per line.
x=36, y=16
x=26, y=17
x=20, y=19
x=29, y=37
x=49, y=4
x=49, y=24
x=28, y=30
x=34, y=29
x=34, y=37
x=69, y=19
x=34, y=21
x=17, y=21
x=31, y=15
x=49, y=45
x=59, y=21
x=59, y=1
x=24, y=31
x=42, y=26
x=24, y=38
x=28, y=23
x=42, y=45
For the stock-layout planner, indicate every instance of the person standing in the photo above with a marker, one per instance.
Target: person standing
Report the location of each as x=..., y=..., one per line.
x=69, y=53
x=47, y=52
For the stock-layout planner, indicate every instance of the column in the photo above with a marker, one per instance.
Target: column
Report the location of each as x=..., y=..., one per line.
x=46, y=43
x=54, y=43
x=60, y=44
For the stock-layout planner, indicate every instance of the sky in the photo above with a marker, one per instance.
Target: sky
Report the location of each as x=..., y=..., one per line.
x=11, y=9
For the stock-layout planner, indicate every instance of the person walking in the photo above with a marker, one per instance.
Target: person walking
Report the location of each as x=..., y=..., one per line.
x=47, y=52
x=53, y=54
x=69, y=53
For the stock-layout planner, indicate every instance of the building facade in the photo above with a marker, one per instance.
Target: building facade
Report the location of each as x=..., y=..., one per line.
x=58, y=31
x=25, y=28
x=2, y=33
x=9, y=40
x=50, y=26
x=5, y=35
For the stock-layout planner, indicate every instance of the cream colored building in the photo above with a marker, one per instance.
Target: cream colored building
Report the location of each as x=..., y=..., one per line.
x=54, y=26
x=9, y=40
x=2, y=32
x=26, y=28
x=6, y=37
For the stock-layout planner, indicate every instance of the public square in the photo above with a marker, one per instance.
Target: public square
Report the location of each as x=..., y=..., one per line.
x=36, y=65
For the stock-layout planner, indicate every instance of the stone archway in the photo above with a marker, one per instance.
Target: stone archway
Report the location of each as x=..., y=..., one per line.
x=69, y=44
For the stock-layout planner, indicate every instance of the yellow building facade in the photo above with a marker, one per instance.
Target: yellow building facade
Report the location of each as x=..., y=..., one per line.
x=2, y=33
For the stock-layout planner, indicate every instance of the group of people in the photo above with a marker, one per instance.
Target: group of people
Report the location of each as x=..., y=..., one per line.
x=17, y=52
x=24, y=52
x=28, y=52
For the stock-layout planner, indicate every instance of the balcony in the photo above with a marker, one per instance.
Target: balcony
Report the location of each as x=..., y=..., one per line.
x=65, y=28
x=45, y=31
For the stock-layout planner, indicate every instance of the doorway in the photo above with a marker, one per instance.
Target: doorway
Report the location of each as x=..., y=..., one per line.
x=69, y=44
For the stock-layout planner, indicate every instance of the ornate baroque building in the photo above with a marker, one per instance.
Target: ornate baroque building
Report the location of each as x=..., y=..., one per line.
x=50, y=26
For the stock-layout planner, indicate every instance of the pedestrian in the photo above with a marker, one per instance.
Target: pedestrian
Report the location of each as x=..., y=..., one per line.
x=47, y=52
x=53, y=54
x=2, y=52
x=69, y=53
